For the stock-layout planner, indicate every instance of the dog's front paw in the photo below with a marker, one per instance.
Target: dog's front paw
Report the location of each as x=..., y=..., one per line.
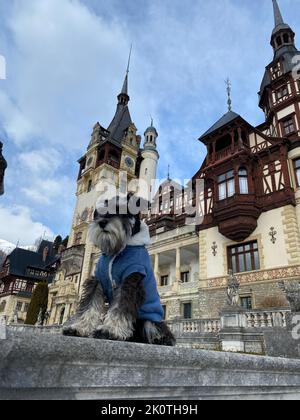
x=101, y=334
x=115, y=328
x=71, y=332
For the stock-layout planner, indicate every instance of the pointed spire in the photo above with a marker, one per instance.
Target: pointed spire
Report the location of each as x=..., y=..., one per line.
x=277, y=14
x=169, y=179
x=229, y=101
x=125, y=84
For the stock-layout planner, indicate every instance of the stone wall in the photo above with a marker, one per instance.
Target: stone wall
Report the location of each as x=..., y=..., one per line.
x=211, y=301
x=54, y=367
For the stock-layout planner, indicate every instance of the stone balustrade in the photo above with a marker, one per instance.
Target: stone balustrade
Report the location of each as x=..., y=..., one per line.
x=267, y=319
x=276, y=318
x=187, y=327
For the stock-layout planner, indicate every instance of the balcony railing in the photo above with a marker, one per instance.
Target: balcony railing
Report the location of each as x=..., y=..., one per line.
x=224, y=153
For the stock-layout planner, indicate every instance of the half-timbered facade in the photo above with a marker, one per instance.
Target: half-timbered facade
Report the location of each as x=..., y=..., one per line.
x=250, y=203
x=21, y=272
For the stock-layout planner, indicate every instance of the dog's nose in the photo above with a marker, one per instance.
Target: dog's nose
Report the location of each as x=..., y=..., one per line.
x=103, y=224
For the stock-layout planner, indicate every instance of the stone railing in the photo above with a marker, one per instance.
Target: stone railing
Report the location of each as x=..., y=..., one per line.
x=267, y=318
x=255, y=319
x=188, y=327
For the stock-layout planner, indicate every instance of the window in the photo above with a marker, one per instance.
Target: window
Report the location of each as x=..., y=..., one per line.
x=288, y=126
x=226, y=185
x=78, y=238
x=185, y=277
x=244, y=258
x=19, y=306
x=165, y=311
x=282, y=93
x=164, y=281
x=297, y=171
x=246, y=302
x=243, y=181
x=26, y=307
x=279, y=41
x=90, y=184
x=187, y=310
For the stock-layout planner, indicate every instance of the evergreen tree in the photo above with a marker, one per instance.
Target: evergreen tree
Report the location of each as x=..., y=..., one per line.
x=39, y=301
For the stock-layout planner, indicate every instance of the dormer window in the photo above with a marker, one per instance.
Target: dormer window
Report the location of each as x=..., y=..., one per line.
x=276, y=71
x=226, y=185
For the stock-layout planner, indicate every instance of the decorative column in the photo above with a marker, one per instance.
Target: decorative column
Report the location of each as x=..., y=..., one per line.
x=67, y=313
x=178, y=265
x=156, y=267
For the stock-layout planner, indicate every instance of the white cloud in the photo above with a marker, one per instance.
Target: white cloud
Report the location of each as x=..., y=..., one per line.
x=16, y=224
x=41, y=161
x=46, y=191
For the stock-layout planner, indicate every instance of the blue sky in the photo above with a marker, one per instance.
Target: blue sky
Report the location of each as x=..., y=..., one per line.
x=66, y=62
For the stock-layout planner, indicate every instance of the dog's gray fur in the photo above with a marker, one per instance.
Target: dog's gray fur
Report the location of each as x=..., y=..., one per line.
x=90, y=313
x=120, y=320
x=111, y=233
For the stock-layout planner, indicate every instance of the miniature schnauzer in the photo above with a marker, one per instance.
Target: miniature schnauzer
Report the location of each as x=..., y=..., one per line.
x=121, y=302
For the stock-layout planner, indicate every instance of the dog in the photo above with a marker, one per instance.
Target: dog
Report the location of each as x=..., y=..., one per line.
x=121, y=302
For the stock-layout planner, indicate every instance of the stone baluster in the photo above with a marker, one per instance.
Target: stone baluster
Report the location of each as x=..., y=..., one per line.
x=270, y=319
x=256, y=321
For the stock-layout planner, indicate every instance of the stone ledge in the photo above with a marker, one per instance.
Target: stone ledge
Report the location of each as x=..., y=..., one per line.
x=56, y=367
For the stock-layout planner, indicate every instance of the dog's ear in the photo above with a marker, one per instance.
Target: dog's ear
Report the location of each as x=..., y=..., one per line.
x=96, y=214
x=137, y=226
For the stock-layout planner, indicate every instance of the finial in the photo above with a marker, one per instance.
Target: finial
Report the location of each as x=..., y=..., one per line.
x=169, y=179
x=229, y=102
x=151, y=120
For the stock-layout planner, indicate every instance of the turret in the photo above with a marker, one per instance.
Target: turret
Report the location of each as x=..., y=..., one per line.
x=150, y=158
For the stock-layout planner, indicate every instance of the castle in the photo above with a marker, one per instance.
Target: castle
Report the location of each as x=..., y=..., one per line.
x=250, y=202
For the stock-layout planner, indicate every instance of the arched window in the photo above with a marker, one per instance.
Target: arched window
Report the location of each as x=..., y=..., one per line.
x=146, y=171
x=279, y=41
x=286, y=38
x=243, y=181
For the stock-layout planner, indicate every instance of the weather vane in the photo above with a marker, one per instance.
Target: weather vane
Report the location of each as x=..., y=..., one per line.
x=229, y=102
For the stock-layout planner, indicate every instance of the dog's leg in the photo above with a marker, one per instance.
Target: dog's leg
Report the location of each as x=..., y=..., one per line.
x=91, y=311
x=121, y=317
x=158, y=334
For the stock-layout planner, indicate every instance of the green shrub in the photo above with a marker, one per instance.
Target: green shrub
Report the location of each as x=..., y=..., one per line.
x=39, y=301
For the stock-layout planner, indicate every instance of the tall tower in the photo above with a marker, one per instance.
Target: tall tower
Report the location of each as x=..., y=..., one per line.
x=110, y=153
x=148, y=169
x=279, y=95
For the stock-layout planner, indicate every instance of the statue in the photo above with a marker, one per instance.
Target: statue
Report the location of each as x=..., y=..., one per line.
x=292, y=292
x=233, y=289
x=3, y=166
x=40, y=319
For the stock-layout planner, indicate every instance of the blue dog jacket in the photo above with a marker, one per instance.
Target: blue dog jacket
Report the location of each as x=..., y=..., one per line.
x=134, y=259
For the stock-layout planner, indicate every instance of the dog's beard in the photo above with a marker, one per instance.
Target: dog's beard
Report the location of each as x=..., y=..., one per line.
x=111, y=240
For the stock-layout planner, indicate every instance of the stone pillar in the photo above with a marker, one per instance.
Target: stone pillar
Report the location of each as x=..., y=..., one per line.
x=156, y=267
x=2, y=329
x=233, y=325
x=178, y=265
x=67, y=313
